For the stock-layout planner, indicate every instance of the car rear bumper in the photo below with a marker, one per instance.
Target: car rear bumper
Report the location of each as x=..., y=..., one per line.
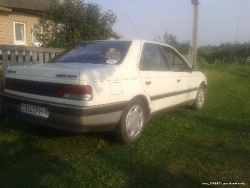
x=64, y=116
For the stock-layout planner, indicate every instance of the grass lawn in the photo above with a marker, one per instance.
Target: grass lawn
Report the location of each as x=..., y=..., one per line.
x=181, y=148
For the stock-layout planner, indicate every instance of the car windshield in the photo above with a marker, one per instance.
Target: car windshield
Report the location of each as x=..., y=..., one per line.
x=97, y=52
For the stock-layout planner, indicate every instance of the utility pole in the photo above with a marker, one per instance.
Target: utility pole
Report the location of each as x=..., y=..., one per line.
x=195, y=30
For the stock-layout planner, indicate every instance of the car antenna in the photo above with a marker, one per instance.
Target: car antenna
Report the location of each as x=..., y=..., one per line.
x=134, y=26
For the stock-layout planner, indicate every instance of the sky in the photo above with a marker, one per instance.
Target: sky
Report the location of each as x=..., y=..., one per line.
x=220, y=21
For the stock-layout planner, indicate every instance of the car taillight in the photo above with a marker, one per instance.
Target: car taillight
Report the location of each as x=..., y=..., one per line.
x=73, y=92
x=11, y=84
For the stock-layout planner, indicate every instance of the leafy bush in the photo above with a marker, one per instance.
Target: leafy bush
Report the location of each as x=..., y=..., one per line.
x=226, y=53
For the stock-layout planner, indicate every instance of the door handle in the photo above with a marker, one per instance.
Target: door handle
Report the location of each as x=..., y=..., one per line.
x=178, y=80
x=148, y=82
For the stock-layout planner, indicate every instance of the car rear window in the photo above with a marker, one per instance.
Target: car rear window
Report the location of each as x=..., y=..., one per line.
x=97, y=52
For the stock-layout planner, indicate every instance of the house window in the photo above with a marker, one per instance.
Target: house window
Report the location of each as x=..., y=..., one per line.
x=19, y=33
x=36, y=30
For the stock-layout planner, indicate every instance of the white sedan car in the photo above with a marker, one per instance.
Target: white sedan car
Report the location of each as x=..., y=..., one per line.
x=104, y=86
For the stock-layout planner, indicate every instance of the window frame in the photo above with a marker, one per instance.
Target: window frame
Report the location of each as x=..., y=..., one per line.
x=33, y=36
x=176, y=53
x=163, y=56
x=18, y=42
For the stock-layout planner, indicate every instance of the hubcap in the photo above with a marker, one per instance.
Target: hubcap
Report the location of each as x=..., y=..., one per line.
x=200, y=98
x=134, y=120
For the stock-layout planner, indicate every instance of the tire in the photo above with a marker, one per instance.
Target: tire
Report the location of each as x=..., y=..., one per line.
x=199, y=100
x=132, y=123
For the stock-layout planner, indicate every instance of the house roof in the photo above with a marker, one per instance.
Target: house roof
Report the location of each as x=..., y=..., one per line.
x=115, y=35
x=38, y=5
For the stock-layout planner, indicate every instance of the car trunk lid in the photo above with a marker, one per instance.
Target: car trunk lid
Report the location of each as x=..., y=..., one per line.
x=52, y=71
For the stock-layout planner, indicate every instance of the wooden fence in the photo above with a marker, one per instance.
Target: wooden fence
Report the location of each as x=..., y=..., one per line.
x=23, y=55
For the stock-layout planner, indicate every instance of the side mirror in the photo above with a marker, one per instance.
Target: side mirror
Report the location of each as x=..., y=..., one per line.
x=195, y=68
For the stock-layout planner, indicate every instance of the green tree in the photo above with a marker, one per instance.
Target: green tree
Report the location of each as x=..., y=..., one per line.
x=67, y=23
x=182, y=47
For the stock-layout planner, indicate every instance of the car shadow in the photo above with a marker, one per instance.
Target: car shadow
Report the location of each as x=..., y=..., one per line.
x=23, y=163
x=232, y=126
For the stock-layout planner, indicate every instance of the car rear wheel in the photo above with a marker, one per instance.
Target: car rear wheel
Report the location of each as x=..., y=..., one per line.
x=132, y=123
x=200, y=98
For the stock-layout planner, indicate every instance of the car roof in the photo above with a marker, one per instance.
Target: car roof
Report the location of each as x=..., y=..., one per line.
x=135, y=40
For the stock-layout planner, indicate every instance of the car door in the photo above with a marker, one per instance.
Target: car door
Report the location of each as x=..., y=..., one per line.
x=157, y=79
x=183, y=74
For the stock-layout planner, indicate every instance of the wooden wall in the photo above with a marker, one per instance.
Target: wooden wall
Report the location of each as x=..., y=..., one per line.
x=7, y=17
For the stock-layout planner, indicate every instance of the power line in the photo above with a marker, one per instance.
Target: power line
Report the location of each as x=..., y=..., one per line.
x=134, y=27
x=242, y=11
x=245, y=6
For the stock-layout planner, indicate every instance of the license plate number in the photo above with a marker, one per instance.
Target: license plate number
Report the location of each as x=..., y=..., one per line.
x=35, y=110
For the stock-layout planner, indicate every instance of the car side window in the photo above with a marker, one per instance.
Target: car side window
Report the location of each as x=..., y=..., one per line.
x=174, y=59
x=152, y=59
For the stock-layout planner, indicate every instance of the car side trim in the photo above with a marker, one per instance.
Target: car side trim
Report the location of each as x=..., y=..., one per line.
x=189, y=102
x=166, y=95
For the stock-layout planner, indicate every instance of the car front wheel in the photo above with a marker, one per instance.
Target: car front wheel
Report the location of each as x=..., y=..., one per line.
x=132, y=122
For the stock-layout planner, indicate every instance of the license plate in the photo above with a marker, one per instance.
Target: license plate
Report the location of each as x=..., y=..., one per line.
x=34, y=110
